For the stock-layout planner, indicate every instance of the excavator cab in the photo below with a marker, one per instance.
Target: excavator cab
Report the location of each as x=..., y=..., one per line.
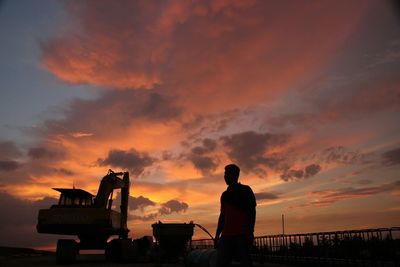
x=74, y=197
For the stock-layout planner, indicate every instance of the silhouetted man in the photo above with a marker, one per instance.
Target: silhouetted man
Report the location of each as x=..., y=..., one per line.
x=236, y=220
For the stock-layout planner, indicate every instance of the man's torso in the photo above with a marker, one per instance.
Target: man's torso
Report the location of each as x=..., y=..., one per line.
x=237, y=202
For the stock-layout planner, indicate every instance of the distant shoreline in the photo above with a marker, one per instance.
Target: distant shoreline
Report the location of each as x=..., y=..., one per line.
x=21, y=252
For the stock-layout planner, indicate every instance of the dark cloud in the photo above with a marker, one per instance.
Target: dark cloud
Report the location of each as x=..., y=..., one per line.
x=9, y=150
x=309, y=171
x=157, y=107
x=19, y=218
x=208, y=145
x=201, y=125
x=166, y=155
x=266, y=196
x=201, y=156
x=140, y=203
x=248, y=149
x=42, y=152
x=339, y=154
x=166, y=208
x=131, y=160
x=292, y=175
x=391, y=157
x=173, y=206
x=148, y=217
x=64, y=171
x=117, y=110
x=22, y=211
x=136, y=205
x=8, y=165
x=203, y=163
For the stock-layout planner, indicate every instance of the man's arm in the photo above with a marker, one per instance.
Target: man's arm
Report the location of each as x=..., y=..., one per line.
x=220, y=226
x=252, y=217
x=252, y=210
x=252, y=214
x=221, y=221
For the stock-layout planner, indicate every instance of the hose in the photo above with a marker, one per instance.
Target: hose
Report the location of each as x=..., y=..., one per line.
x=205, y=230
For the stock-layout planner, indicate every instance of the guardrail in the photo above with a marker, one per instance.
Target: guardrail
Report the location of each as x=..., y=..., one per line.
x=339, y=247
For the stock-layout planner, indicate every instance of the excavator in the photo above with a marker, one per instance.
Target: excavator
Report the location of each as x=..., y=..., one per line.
x=91, y=219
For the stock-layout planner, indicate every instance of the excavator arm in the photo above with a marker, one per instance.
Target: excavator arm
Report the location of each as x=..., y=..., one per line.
x=107, y=185
x=110, y=182
x=124, y=204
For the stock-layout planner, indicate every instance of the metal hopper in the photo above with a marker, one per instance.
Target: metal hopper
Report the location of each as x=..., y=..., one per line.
x=172, y=238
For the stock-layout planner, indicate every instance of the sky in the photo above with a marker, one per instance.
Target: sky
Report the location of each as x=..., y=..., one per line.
x=303, y=96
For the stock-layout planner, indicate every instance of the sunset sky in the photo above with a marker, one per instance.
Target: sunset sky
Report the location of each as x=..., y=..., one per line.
x=304, y=96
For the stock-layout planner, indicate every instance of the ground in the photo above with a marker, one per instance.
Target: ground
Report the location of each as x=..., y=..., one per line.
x=21, y=257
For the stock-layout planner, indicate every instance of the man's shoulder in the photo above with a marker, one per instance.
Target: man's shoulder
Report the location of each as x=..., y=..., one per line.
x=245, y=187
x=248, y=194
x=224, y=194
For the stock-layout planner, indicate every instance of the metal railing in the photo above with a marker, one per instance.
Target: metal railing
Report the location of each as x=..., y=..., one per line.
x=351, y=246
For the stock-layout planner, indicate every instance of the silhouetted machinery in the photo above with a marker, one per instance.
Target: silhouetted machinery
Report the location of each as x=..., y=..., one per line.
x=172, y=239
x=91, y=218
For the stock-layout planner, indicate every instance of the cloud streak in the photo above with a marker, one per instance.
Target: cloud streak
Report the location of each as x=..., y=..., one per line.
x=266, y=196
x=328, y=197
x=391, y=157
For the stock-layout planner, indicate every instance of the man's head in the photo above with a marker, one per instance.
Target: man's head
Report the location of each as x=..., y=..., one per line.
x=231, y=175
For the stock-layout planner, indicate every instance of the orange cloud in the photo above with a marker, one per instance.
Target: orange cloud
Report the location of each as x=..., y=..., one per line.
x=174, y=46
